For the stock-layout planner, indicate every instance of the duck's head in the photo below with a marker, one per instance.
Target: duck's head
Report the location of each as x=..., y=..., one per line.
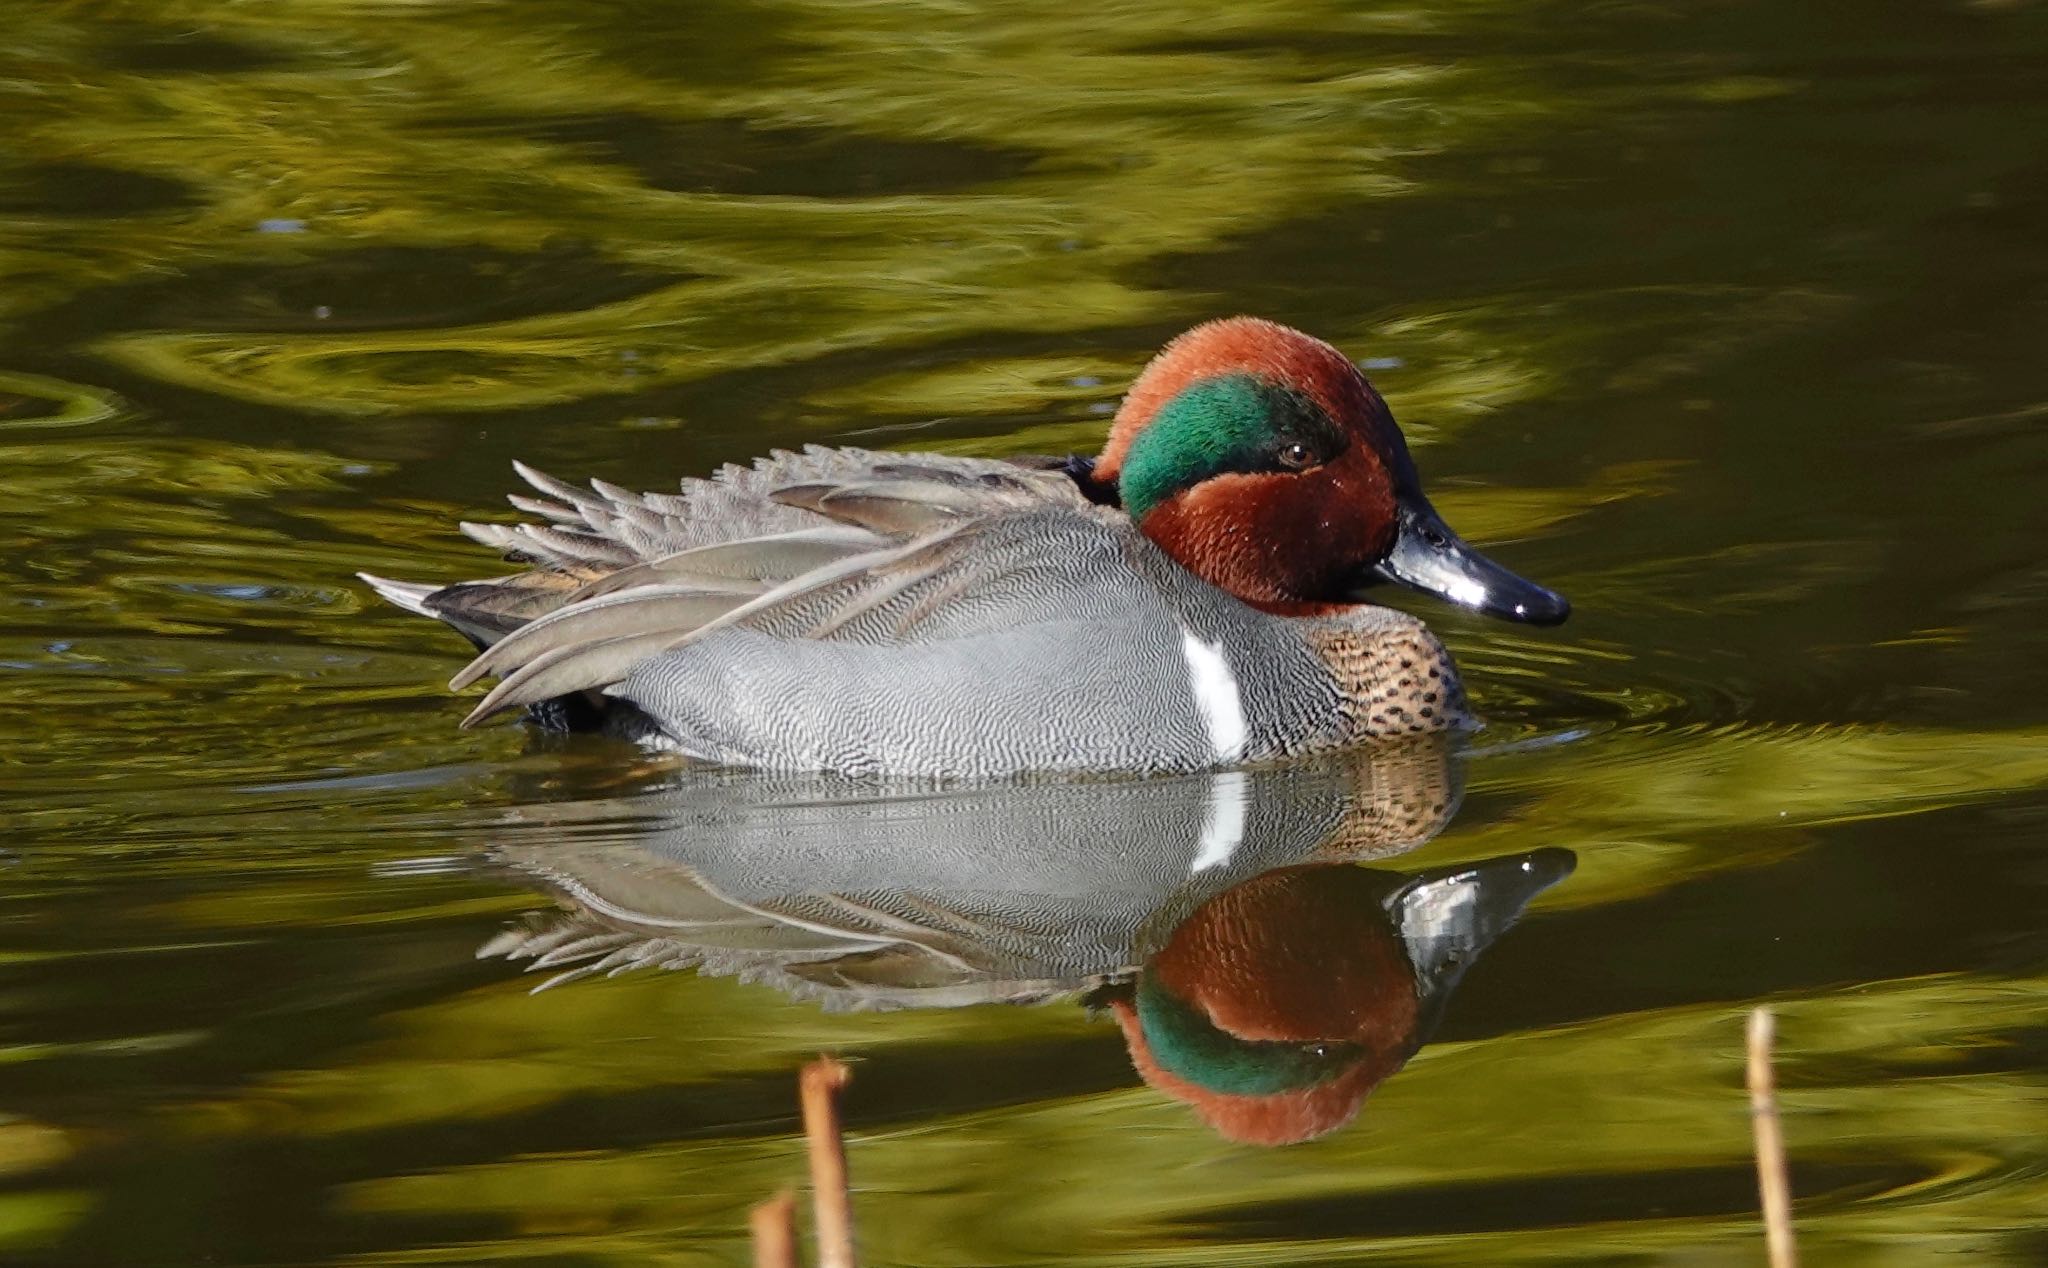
x=1263, y=461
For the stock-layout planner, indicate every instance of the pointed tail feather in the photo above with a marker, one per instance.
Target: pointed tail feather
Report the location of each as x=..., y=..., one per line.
x=410, y=595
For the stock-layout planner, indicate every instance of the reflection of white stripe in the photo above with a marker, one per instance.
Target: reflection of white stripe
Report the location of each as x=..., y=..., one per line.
x=1216, y=697
x=1222, y=821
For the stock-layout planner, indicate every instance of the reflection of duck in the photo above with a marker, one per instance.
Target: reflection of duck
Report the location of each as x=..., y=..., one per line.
x=921, y=614
x=1276, y=1006
x=861, y=894
x=1254, y=972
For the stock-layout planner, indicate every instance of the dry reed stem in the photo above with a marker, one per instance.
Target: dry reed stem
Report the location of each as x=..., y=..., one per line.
x=1772, y=1183
x=831, y=1207
x=774, y=1225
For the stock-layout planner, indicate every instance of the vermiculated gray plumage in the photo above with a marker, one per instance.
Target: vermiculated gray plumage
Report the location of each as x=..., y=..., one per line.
x=869, y=613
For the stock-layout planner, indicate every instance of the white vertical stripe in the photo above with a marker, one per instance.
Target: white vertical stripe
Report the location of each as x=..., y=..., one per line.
x=1222, y=821
x=1216, y=696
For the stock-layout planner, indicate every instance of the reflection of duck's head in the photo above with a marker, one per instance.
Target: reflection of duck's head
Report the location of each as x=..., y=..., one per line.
x=1277, y=1006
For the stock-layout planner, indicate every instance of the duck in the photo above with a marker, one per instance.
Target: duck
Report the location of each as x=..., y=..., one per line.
x=1196, y=596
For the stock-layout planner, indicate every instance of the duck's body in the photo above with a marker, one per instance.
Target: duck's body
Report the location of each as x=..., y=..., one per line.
x=854, y=611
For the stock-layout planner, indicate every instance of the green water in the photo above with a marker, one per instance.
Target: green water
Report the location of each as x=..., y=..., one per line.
x=1723, y=319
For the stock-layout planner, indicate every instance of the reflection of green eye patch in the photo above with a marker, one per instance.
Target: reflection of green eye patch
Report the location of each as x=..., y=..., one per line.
x=1234, y=422
x=1187, y=1046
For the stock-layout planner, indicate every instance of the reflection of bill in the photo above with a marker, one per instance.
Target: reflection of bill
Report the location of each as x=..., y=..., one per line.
x=1257, y=972
x=1277, y=1006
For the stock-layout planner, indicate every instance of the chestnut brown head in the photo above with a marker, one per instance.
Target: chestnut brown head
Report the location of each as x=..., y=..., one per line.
x=1264, y=462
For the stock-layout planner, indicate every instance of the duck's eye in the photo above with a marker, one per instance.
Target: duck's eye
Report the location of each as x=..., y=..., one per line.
x=1296, y=456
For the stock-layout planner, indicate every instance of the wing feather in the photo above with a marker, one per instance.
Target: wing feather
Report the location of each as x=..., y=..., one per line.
x=821, y=544
x=675, y=610
x=567, y=669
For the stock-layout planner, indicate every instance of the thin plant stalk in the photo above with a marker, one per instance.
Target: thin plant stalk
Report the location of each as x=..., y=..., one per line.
x=831, y=1205
x=774, y=1226
x=1772, y=1182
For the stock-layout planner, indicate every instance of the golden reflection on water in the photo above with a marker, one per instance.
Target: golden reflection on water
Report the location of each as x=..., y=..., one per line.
x=420, y=130
x=1718, y=319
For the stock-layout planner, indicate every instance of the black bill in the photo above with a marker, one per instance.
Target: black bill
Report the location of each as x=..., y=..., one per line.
x=1431, y=558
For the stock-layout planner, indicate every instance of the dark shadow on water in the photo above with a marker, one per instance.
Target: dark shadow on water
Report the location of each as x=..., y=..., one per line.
x=182, y=50
x=1555, y=1201
x=731, y=156
x=359, y=288
x=91, y=190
